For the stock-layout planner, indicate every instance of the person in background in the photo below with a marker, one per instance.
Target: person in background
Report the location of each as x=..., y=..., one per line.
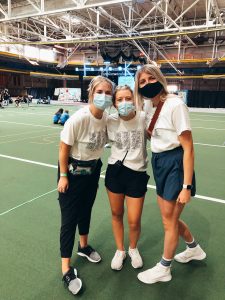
x=64, y=117
x=126, y=176
x=18, y=101
x=82, y=143
x=57, y=116
x=1, y=99
x=173, y=169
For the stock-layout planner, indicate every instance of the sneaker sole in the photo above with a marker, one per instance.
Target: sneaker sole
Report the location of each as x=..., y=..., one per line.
x=134, y=266
x=164, y=279
x=197, y=257
x=91, y=260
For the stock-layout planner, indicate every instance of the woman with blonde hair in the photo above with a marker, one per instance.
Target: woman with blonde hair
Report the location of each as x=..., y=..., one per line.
x=173, y=168
x=126, y=176
x=82, y=143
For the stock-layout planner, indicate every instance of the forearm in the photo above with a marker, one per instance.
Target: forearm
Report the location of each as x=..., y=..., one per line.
x=64, y=151
x=188, y=164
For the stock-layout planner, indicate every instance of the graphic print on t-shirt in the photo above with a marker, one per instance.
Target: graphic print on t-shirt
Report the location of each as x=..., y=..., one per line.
x=129, y=140
x=97, y=140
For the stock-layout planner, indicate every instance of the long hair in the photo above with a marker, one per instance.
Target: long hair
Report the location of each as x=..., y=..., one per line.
x=94, y=83
x=153, y=70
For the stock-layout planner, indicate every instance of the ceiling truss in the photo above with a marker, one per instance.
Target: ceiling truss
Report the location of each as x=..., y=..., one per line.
x=172, y=24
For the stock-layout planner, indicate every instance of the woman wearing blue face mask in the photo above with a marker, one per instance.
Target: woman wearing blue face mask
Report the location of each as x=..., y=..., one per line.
x=126, y=176
x=82, y=142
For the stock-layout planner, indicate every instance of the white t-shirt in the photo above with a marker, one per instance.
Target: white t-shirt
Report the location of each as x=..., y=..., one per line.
x=172, y=121
x=86, y=134
x=128, y=135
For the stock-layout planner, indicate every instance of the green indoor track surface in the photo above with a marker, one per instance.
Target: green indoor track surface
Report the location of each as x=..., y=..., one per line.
x=30, y=219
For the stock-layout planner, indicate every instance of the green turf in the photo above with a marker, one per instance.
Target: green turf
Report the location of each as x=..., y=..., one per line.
x=30, y=262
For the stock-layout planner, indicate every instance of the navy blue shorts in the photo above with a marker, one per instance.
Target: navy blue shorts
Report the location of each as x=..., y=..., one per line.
x=126, y=181
x=169, y=174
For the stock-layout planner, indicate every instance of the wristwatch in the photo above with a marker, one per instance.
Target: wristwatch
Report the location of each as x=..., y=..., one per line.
x=187, y=186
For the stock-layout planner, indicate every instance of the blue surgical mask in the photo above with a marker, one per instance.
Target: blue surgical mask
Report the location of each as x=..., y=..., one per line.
x=102, y=101
x=125, y=108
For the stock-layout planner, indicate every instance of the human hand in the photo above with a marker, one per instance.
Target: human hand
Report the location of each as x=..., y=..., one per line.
x=63, y=184
x=184, y=196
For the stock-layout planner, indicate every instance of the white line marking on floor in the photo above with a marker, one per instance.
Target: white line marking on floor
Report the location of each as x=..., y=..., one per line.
x=219, y=121
x=102, y=176
x=198, y=114
x=24, y=203
x=29, y=161
x=207, y=128
x=32, y=125
x=210, y=145
x=210, y=199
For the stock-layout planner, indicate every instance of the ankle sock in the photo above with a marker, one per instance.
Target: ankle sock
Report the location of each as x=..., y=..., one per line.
x=165, y=262
x=192, y=244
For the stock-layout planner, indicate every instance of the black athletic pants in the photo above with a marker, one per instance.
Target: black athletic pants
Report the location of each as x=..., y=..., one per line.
x=76, y=206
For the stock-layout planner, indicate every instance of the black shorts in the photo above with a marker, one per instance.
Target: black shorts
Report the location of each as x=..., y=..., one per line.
x=126, y=181
x=168, y=173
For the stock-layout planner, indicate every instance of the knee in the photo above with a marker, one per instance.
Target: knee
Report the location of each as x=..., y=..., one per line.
x=117, y=216
x=134, y=226
x=170, y=224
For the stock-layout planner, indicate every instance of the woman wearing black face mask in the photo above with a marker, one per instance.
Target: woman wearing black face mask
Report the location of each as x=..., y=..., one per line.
x=173, y=168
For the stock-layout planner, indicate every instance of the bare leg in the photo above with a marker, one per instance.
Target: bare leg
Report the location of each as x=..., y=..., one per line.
x=134, y=209
x=83, y=240
x=117, y=208
x=170, y=212
x=184, y=232
x=65, y=264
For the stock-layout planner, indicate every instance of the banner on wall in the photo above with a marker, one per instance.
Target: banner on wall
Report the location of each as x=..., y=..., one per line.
x=68, y=94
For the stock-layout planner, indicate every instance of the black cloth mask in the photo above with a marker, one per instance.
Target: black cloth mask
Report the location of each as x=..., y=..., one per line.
x=150, y=90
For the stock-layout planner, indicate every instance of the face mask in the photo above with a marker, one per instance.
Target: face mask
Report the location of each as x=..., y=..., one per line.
x=150, y=90
x=125, y=108
x=102, y=101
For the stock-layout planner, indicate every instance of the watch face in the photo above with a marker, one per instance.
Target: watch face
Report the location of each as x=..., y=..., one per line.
x=189, y=187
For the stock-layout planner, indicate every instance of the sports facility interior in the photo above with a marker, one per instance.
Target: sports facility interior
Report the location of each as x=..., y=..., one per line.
x=49, y=52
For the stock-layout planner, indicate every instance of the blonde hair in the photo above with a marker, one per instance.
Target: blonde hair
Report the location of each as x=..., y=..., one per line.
x=94, y=83
x=153, y=70
x=121, y=88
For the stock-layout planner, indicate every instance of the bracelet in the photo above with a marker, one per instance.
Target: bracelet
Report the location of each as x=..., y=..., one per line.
x=63, y=174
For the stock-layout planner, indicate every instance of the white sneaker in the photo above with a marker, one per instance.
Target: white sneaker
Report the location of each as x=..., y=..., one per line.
x=155, y=274
x=117, y=261
x=195, y=253
x=136, y=260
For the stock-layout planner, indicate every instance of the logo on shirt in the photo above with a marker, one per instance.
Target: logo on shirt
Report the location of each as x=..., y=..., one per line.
x=97, y=140
x=128, y=140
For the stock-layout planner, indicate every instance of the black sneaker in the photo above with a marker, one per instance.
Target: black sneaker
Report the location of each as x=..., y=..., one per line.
x=73, y=283
x=89, y=253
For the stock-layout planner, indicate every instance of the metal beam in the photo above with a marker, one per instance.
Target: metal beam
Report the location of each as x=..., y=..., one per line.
x=34, y=6
x=184, y=12
x=62, y=10
x=216, y=9
x=125, y=38
x=3, y=11
x=9, y=8
x=150, y=11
